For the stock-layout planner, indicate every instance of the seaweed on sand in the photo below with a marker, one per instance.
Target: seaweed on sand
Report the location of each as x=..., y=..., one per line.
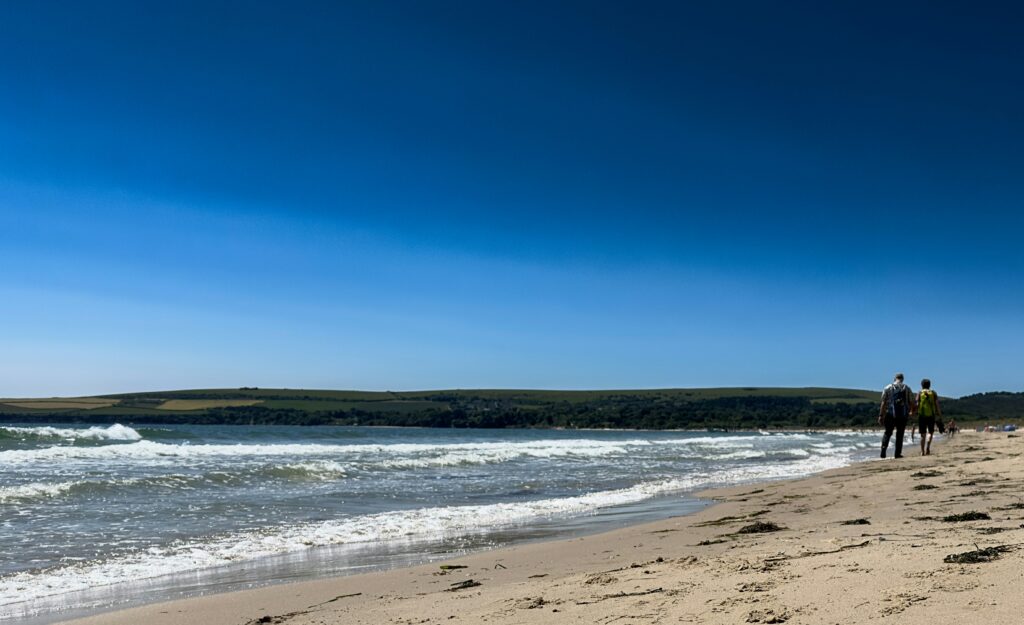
x=856, y=522
x=925, y=487
x=976, y=481
x=760, y=527
x=967, y=516
x=977, y=556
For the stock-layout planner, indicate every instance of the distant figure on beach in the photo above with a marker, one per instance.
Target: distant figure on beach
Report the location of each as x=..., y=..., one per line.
x=897, y=405
x=928, y=410
x=951, y=427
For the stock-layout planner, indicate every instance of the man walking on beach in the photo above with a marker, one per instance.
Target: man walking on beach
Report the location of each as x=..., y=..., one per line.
x=897, y=406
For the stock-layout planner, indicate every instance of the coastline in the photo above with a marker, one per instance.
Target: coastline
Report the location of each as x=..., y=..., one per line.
x=457, y=492
x=659, y=571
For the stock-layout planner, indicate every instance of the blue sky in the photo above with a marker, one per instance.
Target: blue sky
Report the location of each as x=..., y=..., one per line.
x=410, y=195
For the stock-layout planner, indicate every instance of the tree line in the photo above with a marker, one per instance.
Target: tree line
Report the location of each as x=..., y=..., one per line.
x=620, y=411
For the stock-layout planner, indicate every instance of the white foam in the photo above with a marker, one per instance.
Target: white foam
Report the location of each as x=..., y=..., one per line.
x=27, y=492
x=744, y=454
x=116, y=432
x=861, y=433
x=372, y=456
x=460, y=452
x=323, y=469
x=36, y=491
x=707, y=440
x=425, y=524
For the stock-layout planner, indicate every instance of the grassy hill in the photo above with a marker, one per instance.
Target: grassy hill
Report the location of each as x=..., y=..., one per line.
x=655, y=408
x=743, y=407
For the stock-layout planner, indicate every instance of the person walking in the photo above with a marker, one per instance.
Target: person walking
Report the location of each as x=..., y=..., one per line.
x=897, y=405
x=928, y=410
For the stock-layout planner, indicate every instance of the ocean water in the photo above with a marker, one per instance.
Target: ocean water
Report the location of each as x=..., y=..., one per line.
x=93, y=518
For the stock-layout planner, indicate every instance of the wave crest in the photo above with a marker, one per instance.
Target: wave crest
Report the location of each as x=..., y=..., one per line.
x=116, y=432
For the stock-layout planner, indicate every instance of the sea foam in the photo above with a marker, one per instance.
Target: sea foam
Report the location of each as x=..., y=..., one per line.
x=419, y=525
x=116, y=432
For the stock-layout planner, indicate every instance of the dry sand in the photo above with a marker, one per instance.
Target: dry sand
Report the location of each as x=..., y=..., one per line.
x=888, y=568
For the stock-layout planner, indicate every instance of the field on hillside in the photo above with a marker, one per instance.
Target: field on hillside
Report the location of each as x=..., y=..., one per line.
x=203, y=404
x=58, y=403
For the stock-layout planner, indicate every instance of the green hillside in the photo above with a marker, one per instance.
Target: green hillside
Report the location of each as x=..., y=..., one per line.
x=746, y=407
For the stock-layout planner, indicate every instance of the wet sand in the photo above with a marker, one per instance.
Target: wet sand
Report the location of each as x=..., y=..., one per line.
x=862, y=544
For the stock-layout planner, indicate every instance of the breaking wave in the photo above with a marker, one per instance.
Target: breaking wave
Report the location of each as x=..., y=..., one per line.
x=419, y=525
x=116, y=432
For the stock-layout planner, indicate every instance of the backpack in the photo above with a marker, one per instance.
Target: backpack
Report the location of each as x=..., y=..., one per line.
x=898, y=401
x=927, y=407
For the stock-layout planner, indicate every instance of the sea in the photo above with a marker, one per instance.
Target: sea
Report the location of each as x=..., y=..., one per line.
x=105, y=517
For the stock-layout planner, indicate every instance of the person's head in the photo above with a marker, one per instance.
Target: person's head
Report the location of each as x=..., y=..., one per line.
x=898, y=378
x=926, y=383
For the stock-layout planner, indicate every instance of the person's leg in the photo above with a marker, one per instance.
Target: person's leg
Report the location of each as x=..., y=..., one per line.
x=921, y=430
x=901, y=426
x=889, y=424
x=931, y=435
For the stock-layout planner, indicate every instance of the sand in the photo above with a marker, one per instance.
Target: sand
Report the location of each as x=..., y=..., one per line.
x=862, y=544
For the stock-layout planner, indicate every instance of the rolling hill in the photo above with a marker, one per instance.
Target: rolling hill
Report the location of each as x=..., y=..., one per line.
x=734, y=408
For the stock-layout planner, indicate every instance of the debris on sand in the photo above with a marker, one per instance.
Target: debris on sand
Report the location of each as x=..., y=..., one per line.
x=976, y=481
x=767, y=616
x=469, y=583
x=977, y=556
x=448, y=568
x=967, y=516
x=531, y=603
x=856, y=522
x=928, y=473
x=992, y=530
x=925, y=487
x=759, y=527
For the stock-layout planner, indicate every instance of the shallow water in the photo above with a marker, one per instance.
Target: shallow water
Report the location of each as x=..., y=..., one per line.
x=109, y=516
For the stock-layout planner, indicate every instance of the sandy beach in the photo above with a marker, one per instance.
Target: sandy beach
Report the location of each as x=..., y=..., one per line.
x=862, y=544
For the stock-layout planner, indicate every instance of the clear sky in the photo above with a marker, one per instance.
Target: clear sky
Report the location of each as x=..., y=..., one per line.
x=410, y=195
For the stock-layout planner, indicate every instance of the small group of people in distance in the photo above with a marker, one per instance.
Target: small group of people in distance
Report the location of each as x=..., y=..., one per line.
x=899, y=404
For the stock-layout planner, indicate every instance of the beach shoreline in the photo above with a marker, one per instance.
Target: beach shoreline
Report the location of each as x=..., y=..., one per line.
x=338, y=501
x=704, y=567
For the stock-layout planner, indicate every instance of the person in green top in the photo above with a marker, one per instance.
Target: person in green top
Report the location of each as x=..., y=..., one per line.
x=927, y=411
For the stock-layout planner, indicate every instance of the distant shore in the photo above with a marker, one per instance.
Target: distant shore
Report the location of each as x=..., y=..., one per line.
x=869, y=539
x=732, y=409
